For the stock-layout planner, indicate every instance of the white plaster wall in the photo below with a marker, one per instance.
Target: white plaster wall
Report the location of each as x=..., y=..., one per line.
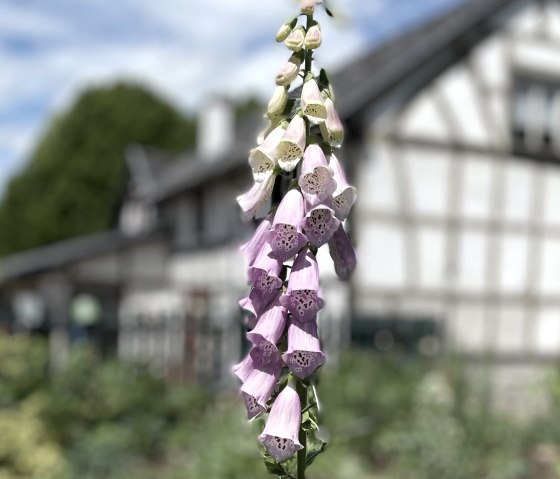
x=376, y=179
x=552, y=192
x=216, y=269
x=553, y=20
x=470, y=124
x=145, y=262
x=477, y=173
x=104, y=268
x=514, y=263
x=382, y=256
x=427, y=174
x=422, y=118
x=432, y=257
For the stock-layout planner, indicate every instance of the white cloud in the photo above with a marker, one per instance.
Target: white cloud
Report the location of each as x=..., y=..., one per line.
x=190, y=49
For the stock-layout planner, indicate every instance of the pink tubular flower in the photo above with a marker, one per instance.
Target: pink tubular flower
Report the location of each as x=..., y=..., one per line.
x=304, y=353
x=280, y=435
x=345, y=195
x=291, y=147
x=302, y=297
x=262, y=158
x=312, y=103
x=266, y=333
x=320, y=224
x=332, y=129
x=251, y=249
x=285, y=236
x=264, y=280
x=342, y=253
x=246, y=304
x=316, y=179
x=259, y=386
x=256, y=199
x=244, y=368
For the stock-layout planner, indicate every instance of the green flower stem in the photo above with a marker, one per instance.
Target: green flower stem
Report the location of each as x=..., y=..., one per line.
x=302, y=453
x=308, y=52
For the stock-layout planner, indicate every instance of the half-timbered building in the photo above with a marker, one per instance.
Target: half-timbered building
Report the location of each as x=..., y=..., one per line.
x=453, y=140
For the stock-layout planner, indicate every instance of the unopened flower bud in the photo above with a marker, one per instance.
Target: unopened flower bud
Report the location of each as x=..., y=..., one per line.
x=295, y=40
x=289, y=72
x=307, y=6
x=283, y=32
x=277, y=103
x=313, y=37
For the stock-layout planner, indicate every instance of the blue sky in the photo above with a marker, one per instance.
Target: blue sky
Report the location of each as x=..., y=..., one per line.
x=181, y=49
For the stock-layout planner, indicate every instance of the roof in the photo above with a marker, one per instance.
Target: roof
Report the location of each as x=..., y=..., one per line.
x=389, y=75
x=419, y=56
x=64, y=252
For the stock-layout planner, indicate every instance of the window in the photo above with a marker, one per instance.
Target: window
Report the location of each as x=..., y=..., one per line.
x=536, y=117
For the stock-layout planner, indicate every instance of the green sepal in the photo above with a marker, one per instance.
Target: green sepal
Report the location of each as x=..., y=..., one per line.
x=308, y=422
x=299, y=55
x=273, y=467
x=329, y=12
x=323, y=80
x=327, y=149
x=288, y=108
x=313, y=452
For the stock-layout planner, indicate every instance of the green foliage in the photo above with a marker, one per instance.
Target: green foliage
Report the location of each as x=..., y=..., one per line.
x=76, y=174
x=384, y=418
x=23, y=367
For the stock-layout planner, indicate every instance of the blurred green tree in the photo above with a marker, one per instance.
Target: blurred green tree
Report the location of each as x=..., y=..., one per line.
x=76, y=174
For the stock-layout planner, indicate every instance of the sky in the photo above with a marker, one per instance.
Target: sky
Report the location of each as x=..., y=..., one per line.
x=183, y=50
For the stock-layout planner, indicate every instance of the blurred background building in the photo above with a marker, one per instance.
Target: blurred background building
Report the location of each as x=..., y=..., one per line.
x=453, y=140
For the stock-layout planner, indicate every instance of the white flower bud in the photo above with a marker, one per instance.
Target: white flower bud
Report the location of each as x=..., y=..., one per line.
x=283, y=32
x=307, y=6
x=313, y=37
x=295, y=40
